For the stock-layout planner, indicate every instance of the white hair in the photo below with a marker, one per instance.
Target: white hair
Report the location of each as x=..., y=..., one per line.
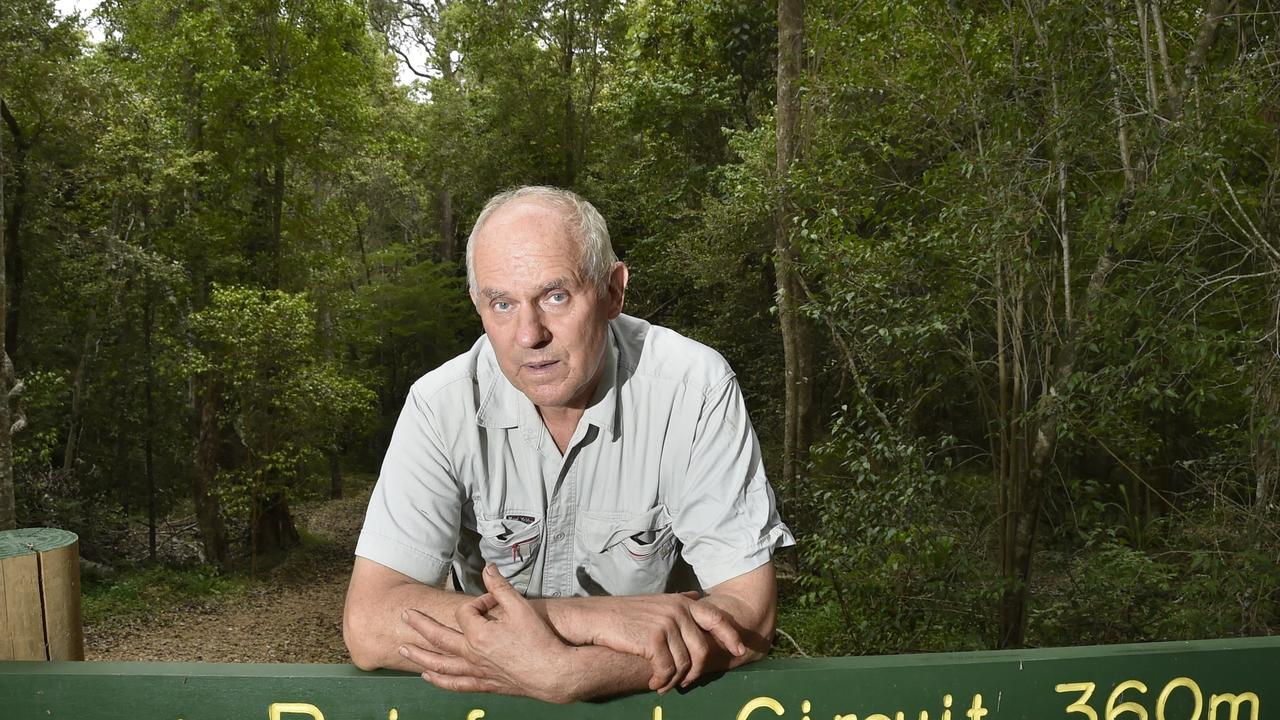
x=596, y=258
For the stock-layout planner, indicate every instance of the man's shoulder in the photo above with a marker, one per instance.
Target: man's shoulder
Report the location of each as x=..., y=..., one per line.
x=660, y=353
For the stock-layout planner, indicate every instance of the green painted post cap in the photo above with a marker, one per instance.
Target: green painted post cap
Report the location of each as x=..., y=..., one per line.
x=25, y=541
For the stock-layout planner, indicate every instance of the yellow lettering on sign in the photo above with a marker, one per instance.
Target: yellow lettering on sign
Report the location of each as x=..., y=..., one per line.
x=1081, y=705
x=1174, y=684
x=976, y=711
x=475, y=714
x=657, y=712
x=877, y=716
x=845, y=717
x=1235, y=700
x=393, y=714
x=1114, y=710
x=277, y=709
x=763, y=701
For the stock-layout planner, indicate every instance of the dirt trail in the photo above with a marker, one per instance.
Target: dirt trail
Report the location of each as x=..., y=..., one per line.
x=293, y=615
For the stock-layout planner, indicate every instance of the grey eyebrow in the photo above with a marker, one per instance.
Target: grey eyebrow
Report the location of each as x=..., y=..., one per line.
x=557, y=284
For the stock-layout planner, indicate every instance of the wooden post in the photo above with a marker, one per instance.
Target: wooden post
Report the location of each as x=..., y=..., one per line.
x=40, y=595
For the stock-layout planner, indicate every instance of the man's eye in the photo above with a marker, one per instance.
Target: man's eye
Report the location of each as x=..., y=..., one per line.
x=502, y=306
x=558, y=298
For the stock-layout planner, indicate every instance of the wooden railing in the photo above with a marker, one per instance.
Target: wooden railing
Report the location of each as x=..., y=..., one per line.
x=1201, y=680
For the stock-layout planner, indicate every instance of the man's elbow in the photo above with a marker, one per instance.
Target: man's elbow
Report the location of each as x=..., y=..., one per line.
x=358, y=638
x=765, y=630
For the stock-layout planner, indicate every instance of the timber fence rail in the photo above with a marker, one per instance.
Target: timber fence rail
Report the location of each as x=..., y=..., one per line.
x=1200, y=680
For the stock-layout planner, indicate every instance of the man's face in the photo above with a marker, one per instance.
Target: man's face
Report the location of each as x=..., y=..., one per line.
x=548, y=324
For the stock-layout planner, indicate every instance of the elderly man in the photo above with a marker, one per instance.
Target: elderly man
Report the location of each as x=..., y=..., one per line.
x=586, y=474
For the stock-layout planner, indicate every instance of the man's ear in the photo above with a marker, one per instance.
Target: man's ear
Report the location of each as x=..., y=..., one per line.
x=618, y=289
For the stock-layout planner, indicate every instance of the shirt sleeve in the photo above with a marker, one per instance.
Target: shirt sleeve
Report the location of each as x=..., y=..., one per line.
x=413, y=519
x=728, y=520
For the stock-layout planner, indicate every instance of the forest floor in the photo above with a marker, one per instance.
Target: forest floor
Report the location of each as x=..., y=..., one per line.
x=291, y=612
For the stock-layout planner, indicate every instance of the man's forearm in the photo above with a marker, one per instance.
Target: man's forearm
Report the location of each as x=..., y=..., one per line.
x=602, y=673
x=631, y=634
x=374, y=628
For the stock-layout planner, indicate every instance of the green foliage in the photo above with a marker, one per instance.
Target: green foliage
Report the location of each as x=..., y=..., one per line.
x=141, y=594
x=285, y=403
x=1211, y=574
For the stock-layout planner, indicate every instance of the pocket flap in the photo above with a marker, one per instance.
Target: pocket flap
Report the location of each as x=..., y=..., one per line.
x=505, y=532
x=644, y=529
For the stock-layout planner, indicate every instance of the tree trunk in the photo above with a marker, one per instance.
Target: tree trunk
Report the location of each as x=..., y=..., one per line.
x=1266, y=410
x=794, y=347
x=335, y=474
x=273, y=527
x=8, y=507
x=1117, y=106
x=148, y=454
x=1200, y=51
x=77, y=399
x=277, y=217
x=570, y=129
x=448, y=225
x=213, y=533
x=12, y=255
x=1144, y=27
x=1166, y=68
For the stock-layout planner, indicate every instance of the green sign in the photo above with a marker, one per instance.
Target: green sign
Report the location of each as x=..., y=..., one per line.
x=1202, y=680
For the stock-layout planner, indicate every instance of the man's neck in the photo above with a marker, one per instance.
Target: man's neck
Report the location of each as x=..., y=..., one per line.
x=561, y=423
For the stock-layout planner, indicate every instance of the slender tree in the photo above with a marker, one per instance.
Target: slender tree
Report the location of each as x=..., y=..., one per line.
x=795, y=347
x=8, y=517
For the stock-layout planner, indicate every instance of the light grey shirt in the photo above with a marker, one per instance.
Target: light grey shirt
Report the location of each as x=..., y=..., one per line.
x=662, y=475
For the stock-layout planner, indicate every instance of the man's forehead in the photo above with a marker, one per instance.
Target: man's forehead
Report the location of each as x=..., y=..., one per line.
x=531, y=233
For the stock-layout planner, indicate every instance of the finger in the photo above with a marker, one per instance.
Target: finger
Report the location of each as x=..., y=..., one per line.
x=715, y=621
x=657, y=651
x=680, y=656
x=504, y=599
x=444, y=638
x=485, y=603
x=438, y=662
x=691, y=594
x=695, y=641
x=472, y=616
x=499, y=588
x=458, y=683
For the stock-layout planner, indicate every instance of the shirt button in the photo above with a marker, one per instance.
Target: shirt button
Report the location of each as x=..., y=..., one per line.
x=556, y=593
x=559, y=536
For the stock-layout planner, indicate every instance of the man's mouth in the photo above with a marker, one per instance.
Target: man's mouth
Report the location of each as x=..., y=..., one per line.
x=540, y=366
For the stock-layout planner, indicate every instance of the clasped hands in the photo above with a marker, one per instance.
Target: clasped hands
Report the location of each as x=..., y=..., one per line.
x=505, y=645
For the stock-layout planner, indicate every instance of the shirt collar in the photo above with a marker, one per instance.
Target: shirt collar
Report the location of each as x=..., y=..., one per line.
x=604, y=408
x=504, y=406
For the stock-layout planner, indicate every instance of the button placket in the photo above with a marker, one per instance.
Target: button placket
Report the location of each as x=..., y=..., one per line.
x=566, y=500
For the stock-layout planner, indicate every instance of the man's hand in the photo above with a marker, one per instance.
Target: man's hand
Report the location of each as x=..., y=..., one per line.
x=673, y=633
x=504, y=647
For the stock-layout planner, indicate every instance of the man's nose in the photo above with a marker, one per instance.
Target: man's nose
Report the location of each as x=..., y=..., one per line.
x=531, y=331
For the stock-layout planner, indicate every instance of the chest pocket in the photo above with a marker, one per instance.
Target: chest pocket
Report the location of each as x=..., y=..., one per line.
x=626, y=554
x=512, y=543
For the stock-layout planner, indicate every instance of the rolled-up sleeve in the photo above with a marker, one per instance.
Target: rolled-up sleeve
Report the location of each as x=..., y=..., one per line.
x=413, y=518
x=728, y=519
